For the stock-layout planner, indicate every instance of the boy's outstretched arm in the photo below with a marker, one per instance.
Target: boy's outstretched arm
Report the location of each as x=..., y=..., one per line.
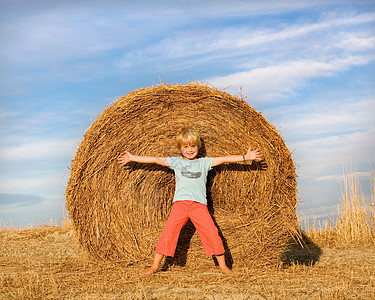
x=128, y=157
x=249, y=156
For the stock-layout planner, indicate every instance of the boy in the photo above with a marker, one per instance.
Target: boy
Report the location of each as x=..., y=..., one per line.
x=189, y=200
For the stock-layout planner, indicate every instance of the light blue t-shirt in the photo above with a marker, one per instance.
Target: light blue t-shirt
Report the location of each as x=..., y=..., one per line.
x=191, y=178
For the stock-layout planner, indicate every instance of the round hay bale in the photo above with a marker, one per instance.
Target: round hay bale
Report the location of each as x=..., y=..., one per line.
x=119, y=212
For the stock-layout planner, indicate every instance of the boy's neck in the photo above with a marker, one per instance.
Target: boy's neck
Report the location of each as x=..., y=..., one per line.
x=185, y=158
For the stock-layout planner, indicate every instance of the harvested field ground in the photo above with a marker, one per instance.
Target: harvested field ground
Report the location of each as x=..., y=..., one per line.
x=48, y=263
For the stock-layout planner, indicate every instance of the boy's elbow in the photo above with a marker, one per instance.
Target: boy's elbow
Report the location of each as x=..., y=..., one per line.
x=217, y=161
x=162, y=161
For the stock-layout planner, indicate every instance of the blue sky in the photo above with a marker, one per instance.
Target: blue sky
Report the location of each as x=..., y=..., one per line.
x=308, y=66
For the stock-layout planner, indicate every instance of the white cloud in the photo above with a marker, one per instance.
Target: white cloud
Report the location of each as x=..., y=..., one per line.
x=294, y=31
x=323, y=157
x=351, y=42
x=80, y=35
x=245, y=45
x=50, y=37
x=6, y=114
x=14, y=200
x=329, y=134
x=151, y=8
x=42, y=183
x=38, y=149
x=328, y=116
x=271, y=83
x=358, y=175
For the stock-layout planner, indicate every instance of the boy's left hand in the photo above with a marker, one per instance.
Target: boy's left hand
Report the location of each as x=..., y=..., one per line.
x=254, y=155
x=125, y=158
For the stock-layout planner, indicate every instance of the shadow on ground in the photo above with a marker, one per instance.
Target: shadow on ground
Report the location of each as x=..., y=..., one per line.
x=302, y=251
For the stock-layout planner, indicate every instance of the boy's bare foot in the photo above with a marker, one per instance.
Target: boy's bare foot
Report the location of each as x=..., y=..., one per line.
x=149, y=272
x=154, y=267
x=226, y=270
x=223, y=265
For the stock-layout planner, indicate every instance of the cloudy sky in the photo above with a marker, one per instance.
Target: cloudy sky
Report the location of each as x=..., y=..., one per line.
x=308, y=66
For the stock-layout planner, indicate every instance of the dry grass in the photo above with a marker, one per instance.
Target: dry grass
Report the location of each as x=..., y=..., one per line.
x=49, y=263
x=354, y=223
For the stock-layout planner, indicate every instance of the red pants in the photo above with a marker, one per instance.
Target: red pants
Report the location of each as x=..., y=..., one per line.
x=198, y=213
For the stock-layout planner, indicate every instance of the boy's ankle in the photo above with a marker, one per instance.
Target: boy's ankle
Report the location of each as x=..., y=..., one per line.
x=150, y=271
x=225, y=270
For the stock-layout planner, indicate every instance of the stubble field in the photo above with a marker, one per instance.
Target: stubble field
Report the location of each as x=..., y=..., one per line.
x=336, y=261
x=48, y=263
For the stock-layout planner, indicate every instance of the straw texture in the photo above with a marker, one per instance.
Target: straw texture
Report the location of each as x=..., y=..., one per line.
x=118, y=212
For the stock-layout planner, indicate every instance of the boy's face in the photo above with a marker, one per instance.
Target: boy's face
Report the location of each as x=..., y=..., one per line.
x=189, y=151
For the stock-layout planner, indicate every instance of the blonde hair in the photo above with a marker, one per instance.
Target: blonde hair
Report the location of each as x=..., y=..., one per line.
x=188, y=136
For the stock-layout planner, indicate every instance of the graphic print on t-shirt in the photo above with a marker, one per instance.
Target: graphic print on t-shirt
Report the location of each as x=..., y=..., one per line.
x=186, y=173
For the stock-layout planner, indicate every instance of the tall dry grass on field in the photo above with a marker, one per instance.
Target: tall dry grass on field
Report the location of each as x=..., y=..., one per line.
x=355, y=219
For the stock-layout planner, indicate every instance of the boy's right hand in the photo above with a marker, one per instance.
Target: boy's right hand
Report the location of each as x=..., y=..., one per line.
x=125, y=158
